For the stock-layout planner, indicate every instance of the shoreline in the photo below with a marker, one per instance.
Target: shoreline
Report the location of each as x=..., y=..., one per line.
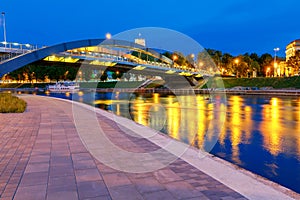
x=280, y=92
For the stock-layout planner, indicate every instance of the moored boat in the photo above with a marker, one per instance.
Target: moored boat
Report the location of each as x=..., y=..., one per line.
x=63, y=87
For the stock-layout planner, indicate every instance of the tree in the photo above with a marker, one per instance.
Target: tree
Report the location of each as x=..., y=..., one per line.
x=55, y=72
x=204, y=61
x=294, y=62
x=243, y=69
x=247, y=59
x=216, y=56
x=104, y=76
x=255, y=66
x=265, y=62
x=254, y=57
x=87, y=72
x=72, y=73
x=227, y=62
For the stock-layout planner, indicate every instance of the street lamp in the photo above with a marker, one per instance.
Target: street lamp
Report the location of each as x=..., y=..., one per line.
x=174, y=58
x=275, y=64
x=4, y=28
x=108, y=36
x=268, y=72
x=237, y=64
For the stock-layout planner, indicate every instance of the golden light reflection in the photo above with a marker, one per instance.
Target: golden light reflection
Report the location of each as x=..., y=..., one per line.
x=298, y=127
x=188, y=118
x=193, y=121
x=222, y=135
x=272, y=127
x=67, y=94
x=155, y=98
x=174, y=117
x=201, y=123
x=80, y=93
x=235, y=123
x=118, y=109
x=209, y=118
x=140, y=111
x=248, y=124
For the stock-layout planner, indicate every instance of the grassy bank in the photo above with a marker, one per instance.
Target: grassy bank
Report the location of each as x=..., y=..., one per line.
x=276, y=82
x=11, y=104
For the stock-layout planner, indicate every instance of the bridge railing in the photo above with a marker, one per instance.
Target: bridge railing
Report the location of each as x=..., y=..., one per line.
x=12, y=49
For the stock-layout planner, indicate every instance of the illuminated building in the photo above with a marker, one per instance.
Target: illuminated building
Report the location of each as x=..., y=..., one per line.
x=140, y=41
x=291, y=49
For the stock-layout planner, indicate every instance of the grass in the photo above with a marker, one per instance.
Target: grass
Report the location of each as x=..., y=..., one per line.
x=275, y=82
x=11, y=104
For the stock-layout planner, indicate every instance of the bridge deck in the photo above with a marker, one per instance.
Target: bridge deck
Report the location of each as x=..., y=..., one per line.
x=42, y=157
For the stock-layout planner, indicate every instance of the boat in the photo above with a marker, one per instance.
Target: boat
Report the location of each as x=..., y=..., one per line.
x=63, y=87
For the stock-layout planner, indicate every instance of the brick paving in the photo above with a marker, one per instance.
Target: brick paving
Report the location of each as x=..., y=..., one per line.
x=42, y=157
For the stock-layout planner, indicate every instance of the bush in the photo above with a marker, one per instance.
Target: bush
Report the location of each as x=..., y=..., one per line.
x=11, y=104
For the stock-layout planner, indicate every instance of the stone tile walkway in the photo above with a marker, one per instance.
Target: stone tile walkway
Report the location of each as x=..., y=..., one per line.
x=42, y=157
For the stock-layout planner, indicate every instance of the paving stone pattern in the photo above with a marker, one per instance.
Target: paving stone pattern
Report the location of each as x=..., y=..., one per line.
x=42, y=157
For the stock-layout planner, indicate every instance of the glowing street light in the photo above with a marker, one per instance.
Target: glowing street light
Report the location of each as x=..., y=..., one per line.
x=108, y=36
x=237, y=64
x=174, y=57
x=236, y=61
x=268, y=72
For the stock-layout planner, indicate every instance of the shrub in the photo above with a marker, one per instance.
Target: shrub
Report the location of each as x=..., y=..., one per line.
x=11, y=104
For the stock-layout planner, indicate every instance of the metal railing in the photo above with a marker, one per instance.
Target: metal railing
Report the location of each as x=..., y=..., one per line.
x=9, y=50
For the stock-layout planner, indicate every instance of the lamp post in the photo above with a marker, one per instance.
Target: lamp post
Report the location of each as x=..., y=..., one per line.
x=4, y=28
x=275, y=64
x=174, y=58
x=237, y=65
x=108, y=36
x=268, y=72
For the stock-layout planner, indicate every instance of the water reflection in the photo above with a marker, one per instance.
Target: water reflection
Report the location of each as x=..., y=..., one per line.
x=281, y=126
x=192, y=119
x=259, y=133
x=272, y=128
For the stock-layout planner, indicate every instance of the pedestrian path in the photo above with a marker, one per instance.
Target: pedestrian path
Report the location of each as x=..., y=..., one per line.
x=43, y=156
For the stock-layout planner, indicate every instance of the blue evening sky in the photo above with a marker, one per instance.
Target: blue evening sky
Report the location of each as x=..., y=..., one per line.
x=234, y=26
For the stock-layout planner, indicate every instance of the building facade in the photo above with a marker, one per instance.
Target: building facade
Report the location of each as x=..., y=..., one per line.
x=291, y=49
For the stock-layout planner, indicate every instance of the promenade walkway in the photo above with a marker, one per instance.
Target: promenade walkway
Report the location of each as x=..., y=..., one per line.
x=43, y=157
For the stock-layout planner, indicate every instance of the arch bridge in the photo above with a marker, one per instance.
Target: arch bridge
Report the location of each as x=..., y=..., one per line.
x=99, y=52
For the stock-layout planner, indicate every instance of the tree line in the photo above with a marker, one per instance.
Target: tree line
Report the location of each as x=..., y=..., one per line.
x=242, y=65
x=239, y=66
x=209, y=59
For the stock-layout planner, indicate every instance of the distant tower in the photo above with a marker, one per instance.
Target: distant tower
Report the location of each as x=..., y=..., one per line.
x=140, y=41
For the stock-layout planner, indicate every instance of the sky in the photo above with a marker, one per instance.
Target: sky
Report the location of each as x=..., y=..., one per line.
x=232, y=26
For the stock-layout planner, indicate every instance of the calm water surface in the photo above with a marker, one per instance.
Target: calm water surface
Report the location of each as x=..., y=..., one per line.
x=258, y=133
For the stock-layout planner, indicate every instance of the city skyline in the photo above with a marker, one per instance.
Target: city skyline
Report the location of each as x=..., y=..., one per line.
x=233, y=26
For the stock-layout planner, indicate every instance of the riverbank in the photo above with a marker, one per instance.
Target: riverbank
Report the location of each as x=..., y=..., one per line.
x=53, y=159
x=287, y=83
x=283, y=86
x=234, y=91
x=263, y=82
